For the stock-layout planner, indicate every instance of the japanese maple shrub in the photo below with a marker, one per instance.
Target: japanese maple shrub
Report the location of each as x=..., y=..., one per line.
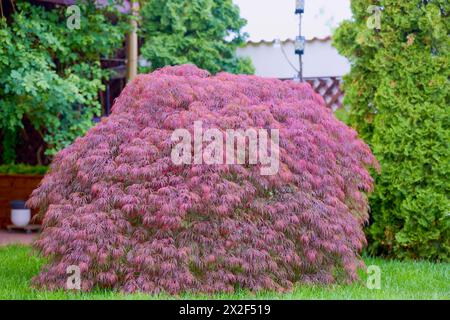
x=115, y=204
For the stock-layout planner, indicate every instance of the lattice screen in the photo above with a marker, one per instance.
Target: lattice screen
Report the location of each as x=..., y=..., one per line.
x=329, y=89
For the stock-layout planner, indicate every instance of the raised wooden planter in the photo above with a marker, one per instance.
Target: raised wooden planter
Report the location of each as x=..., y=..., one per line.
x=15, y=187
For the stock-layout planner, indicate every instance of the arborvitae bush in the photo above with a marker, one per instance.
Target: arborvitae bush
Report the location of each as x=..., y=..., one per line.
x=398, y=93
x=116, y=205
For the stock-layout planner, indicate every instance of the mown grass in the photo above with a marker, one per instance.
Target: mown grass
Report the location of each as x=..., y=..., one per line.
x=399, y=280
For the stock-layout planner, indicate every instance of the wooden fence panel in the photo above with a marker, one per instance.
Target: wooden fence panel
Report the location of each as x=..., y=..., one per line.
x=15, y=187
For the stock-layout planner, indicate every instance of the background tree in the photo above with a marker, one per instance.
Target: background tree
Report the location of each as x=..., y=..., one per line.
x=398, y=93
x=50, y=75
x=203, y=32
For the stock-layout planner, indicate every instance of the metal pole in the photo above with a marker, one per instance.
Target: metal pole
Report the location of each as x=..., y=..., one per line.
x=300, y=67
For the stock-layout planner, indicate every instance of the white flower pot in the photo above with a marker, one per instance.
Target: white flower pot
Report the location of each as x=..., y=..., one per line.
x=20, y=217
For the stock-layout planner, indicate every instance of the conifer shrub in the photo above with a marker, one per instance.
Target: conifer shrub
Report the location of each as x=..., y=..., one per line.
x=398, y=92
x=115, y=205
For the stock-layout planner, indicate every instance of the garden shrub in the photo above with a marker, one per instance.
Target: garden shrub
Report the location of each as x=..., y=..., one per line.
x=115, y=205
x=203, y=32
x=22, y=168
x=398, y=93
x=50, y=75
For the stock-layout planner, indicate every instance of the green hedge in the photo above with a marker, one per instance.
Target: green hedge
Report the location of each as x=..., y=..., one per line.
x=398, y=90
x=22, y=169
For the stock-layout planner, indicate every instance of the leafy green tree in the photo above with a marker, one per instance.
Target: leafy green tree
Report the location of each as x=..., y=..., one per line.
x=203, y=32
x=398, y=91
x=51, y=74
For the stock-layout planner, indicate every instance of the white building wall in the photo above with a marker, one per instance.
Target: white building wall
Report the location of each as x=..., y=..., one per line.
x=321, y=59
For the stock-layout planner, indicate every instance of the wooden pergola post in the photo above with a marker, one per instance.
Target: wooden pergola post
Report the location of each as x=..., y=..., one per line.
x=132, y=43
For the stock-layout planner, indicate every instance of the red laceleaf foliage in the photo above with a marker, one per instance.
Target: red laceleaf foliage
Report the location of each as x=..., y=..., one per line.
x=116, y=205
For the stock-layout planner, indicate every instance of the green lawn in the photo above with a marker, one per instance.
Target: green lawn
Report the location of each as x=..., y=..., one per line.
x=399, y=280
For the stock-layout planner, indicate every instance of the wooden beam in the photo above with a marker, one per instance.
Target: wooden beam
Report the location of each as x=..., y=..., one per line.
x=132, y=43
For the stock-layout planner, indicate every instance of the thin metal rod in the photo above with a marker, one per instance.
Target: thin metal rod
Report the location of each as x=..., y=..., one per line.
x=300, y=62
x=287, y=58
